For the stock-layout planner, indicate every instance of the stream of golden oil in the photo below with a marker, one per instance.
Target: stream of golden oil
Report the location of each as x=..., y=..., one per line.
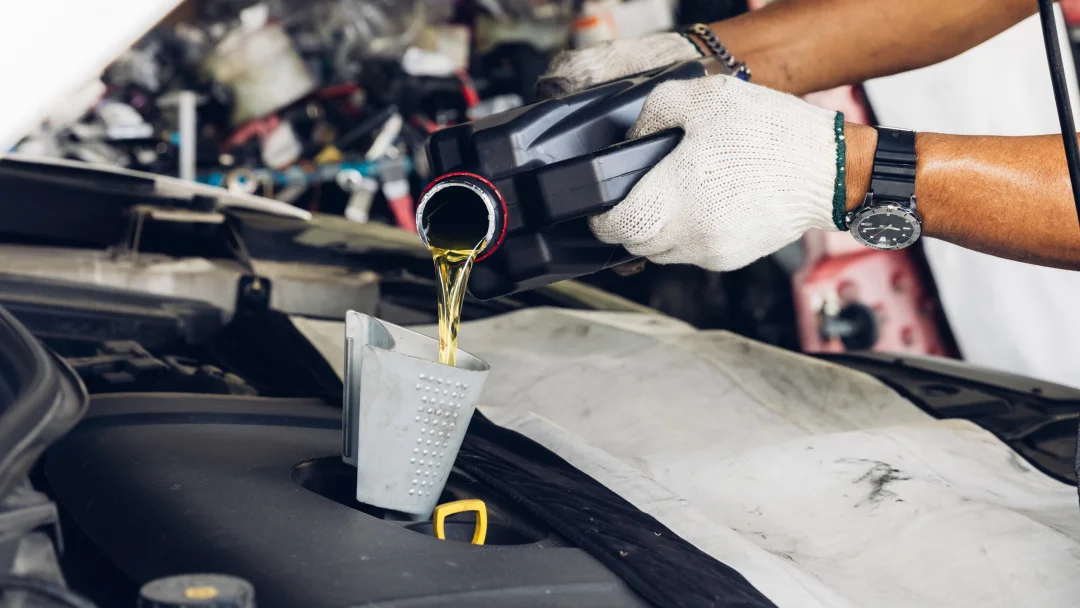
x=452, y=268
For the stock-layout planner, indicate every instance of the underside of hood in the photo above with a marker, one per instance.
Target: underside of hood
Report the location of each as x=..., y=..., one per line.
x=51, y=49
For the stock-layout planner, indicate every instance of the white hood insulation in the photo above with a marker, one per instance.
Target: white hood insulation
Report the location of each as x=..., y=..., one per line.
x=819, y=484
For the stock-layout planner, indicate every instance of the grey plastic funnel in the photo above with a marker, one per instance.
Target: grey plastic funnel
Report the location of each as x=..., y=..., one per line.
x=404, y=413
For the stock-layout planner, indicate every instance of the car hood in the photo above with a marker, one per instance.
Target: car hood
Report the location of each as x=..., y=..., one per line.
x=50, y=49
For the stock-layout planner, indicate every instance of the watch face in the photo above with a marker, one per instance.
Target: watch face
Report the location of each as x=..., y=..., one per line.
x=888, y=227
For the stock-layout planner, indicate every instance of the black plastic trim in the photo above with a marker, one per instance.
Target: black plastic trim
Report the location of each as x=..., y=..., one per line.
x=46, y=400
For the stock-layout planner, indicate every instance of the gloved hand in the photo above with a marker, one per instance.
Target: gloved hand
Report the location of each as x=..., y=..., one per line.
x=755, y=170
x=573, y=71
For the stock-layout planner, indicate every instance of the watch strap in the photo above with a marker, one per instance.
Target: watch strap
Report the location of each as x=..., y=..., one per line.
x=893, y=176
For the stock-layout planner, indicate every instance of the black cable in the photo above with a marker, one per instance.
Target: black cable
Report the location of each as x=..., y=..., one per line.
x=45, y=589
x=1061, y=96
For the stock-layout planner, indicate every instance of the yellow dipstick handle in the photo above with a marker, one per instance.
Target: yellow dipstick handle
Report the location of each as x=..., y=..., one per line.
x=461, y=506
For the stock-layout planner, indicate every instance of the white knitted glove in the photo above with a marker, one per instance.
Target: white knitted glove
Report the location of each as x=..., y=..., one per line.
x=573, y=71
x=754, y=171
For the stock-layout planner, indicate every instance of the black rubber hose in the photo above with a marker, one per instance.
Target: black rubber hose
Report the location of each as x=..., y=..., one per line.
x=1061, y=96
x=42, y=588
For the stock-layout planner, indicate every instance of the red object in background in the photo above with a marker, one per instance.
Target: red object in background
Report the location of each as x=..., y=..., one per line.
x=1071, y=10
x=404, y=210
x=338, y=90
x=256, y=127
x=425, y=123
x=468, y=90
x=840, y=272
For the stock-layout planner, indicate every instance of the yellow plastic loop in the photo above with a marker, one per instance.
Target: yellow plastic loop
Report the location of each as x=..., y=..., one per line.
x=461, y=506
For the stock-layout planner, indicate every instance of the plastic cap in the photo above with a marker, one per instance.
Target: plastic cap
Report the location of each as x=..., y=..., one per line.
x=197, y=590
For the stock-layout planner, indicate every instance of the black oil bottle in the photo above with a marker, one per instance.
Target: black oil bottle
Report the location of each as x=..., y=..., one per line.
x=525, y=181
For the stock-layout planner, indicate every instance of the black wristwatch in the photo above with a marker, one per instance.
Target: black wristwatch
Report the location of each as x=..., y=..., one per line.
x=886, y=220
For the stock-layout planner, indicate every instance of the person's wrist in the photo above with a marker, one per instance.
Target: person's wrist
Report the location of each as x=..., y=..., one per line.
x=745, y=50
x=756, y=42
x=861, y=143
x=709, y=45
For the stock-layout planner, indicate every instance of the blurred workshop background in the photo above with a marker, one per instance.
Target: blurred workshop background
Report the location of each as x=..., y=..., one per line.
x=324, y=105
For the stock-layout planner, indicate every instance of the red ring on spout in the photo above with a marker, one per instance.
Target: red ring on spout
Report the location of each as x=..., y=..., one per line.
x=498, y=195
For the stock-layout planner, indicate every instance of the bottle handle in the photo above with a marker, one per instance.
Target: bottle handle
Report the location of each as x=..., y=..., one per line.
x=587, y=185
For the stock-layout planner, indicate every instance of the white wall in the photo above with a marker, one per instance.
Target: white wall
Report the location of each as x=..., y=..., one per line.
x=49, y=49
x=1005, y=315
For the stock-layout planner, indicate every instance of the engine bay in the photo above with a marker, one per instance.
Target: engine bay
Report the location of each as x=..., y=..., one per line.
x=215, y=446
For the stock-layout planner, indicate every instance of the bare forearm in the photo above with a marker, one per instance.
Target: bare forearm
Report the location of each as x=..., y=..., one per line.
x=1006, y=196
x=801, y=46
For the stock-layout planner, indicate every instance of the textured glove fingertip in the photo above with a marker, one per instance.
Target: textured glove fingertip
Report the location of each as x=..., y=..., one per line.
x=638, y=221
x=599, y=225
x=671, y=256
x=610, y=227
x=559, y=78
x=663, y=109
x=553, y=87
x=561, y=63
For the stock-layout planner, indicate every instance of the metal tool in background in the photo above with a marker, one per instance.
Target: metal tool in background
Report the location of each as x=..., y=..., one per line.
x=361, y=194
x=404, y=415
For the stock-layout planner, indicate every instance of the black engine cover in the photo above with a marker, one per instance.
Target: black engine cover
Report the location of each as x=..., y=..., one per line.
x=172, y=484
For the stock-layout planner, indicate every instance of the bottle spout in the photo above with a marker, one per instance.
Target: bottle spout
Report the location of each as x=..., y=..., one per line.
x=461, y=211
